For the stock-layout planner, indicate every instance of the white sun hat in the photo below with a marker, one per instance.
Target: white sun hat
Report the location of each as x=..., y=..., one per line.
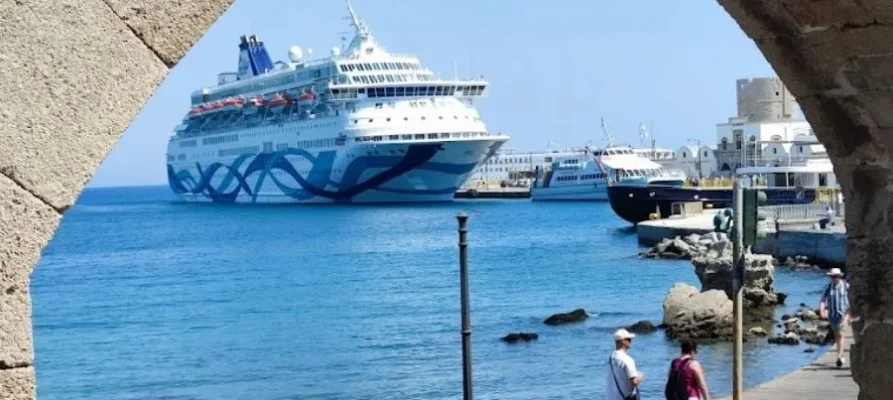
x=622, y=334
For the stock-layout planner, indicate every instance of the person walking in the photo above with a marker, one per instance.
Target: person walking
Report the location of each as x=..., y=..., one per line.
x=623, y=379
x=686, y=379
x=835, y=307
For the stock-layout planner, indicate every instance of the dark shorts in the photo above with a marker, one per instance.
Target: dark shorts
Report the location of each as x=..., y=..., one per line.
x=836, y=324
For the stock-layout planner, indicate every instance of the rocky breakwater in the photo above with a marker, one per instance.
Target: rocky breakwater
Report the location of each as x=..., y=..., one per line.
x=691, y=313
x=707, y=313
x=684, y=248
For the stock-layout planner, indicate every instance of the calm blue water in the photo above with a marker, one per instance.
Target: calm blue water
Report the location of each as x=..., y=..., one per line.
x=140, y=297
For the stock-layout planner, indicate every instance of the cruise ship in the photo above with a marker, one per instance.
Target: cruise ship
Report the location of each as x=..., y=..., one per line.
x=361, y=126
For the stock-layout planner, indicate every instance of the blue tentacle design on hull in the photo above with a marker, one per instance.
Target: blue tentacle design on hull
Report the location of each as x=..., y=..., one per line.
x=318, y=181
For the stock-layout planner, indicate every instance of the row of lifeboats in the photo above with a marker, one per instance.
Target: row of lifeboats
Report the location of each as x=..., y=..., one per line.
x=276, y=103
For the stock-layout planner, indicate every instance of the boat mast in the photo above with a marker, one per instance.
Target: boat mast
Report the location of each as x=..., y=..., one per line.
x=609, y=138
x=356, y=22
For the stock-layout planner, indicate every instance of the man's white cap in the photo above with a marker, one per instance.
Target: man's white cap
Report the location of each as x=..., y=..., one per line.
x=835, y=272
x=622, y=334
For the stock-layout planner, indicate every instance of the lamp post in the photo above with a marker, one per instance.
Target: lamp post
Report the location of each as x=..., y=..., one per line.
x=698, y=141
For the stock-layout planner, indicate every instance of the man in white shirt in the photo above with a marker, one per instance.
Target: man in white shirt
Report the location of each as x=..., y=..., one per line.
x=622, y=379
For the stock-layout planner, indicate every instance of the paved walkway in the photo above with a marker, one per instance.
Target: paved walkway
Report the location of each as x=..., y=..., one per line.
x=821, y=380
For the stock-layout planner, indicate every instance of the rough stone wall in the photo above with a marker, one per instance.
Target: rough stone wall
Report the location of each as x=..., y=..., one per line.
x=836, y=57
x=75, y=72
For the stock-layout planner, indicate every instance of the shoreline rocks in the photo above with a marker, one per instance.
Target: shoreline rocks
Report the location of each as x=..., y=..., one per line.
x=578, y=315
x=686, y=248
x=520, y=337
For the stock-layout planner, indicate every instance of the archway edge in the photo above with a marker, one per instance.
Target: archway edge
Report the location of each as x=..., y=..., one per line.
x=82, y=70
x=836, y=57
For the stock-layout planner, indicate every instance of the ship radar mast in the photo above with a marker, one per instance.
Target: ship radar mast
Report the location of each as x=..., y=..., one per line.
x=643, y=134
x=358, y=24
x=609, y=137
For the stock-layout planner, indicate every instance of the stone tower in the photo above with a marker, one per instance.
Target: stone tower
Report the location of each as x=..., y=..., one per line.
x=765, y=99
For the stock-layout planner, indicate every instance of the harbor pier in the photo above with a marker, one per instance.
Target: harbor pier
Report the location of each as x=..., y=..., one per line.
x=820, y=380
x=793, y=237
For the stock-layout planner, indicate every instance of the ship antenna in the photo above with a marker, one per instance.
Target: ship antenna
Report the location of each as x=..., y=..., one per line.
x=608, y=136
x=356, y=22
x=643, y=134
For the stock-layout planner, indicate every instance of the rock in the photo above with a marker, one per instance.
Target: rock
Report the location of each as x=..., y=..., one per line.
x=577, y=315
x=662, y=246
x=786, y=317
x=790, y=339
x=643, y=326
x=781, y=297
x=680, y=246
x=809, y=350
x=693, y=239
x=791, y=324
x=809, y=315
x=716, y=272
x=689, y=313
x=812, y=335
x=757, y=331
x=759, y=295
x=670, y=256
x=520, y=336
x=803, y=305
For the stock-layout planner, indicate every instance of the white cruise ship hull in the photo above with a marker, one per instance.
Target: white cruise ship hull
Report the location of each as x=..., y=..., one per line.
x=366, y=172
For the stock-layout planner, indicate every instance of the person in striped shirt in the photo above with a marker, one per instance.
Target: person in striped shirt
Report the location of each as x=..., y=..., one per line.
x=835, y=307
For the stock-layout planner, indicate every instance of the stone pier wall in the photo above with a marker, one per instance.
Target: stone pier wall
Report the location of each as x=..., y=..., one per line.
x=74, y=74
x=820, y=247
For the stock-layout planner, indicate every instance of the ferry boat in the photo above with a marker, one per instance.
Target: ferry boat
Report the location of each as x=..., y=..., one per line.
x=587, y=174
x=785, y=179
x=361, y=126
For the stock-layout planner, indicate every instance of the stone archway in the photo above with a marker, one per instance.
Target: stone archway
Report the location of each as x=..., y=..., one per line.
x=836, y=57
x=75, y=72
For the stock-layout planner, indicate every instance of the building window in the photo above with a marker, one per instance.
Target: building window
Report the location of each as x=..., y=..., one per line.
x=724, y=144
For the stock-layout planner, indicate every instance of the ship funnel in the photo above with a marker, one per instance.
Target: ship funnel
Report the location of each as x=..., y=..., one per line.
x=253, y=57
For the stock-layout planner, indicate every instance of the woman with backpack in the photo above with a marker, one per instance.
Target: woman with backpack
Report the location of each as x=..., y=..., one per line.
x=686, y=380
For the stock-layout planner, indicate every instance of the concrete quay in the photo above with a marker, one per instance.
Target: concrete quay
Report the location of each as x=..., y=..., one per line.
x=493, y=193
x=794, y=238
x=820, y=380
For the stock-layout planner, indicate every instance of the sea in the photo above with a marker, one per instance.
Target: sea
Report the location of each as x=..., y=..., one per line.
x=139, y=296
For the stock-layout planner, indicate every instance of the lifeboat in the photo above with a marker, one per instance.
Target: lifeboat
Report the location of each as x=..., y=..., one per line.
x=278, y=102
x=307, y=98
x=234, y=102
x=253, y=105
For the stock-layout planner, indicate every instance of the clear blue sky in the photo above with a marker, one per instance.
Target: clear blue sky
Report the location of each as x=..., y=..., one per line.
x=554, y=67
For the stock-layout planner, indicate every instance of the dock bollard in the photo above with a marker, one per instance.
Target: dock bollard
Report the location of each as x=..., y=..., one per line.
x=466, y=319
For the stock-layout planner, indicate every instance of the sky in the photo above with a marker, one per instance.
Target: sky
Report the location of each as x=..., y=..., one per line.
x=555, y=68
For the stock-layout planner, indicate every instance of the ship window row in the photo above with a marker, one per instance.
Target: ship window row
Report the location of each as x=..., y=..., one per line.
x=567, y=178
x=421, y=136
x=423, y=118
x=514, y=160
x=589, y=177
x=392, y=78
x=379, y=66
x=238, y=151
x=170, y=157
x=220, y=139
x=188, y=143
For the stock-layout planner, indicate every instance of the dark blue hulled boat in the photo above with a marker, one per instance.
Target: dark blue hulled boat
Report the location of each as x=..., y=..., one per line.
x=635, y=203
